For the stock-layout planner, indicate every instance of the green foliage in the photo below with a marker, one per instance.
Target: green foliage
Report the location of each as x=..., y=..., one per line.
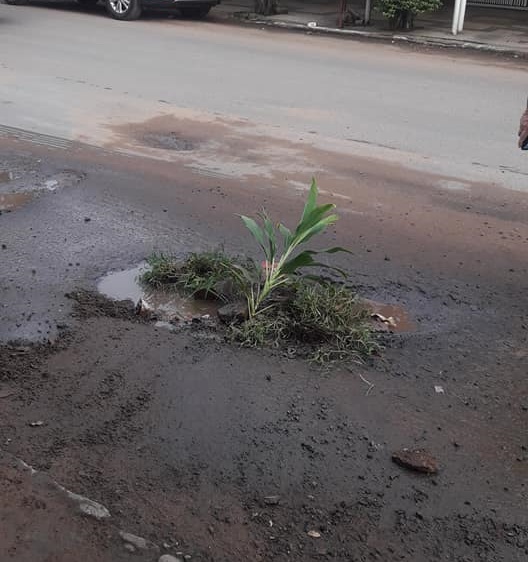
x=199, y=274
x=279, y=245
x=324, y=319
x=395, y=9
x=164, y=271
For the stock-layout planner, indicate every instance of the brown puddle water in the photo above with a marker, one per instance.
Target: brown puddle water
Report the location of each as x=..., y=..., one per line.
x=397, y=318
x=11, y=201
x=125, y=285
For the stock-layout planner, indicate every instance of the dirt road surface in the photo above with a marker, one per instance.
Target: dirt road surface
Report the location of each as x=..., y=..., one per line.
x=216, y=453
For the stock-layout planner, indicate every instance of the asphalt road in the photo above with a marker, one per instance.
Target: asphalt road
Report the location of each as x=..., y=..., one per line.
x=76, y=74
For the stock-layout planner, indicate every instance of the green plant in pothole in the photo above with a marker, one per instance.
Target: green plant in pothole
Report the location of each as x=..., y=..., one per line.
x=201, y=274
x=320, y=319
x=282, y=258
x=280, y=305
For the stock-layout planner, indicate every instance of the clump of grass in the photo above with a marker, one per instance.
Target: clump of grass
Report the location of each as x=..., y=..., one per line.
x=164, y=271
x=201, y=274
x=325, y=320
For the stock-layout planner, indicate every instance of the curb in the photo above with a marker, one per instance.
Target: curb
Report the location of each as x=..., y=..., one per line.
x=422, y=40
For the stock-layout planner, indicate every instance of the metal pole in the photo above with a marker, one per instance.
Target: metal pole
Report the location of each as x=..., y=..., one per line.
x=462, y=15
x=456, y=17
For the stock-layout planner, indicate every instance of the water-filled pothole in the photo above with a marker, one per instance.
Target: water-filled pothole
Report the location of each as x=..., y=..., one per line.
x=167, y=305
x=168, y=141
x=11, y=201
x=395, y=318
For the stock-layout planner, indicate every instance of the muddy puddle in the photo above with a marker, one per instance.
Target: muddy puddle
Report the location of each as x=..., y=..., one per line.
x=4, y=176
x=168, y=141
x=168, y=305
x=393, y=317
x=12, y=201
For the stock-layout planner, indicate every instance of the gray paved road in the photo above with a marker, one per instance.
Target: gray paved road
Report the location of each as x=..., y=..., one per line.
x=75, y=74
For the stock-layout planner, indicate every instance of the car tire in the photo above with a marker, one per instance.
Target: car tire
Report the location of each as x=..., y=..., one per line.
x=87, y=3
x=195, y=12
x=124, y=9
x=14, y=2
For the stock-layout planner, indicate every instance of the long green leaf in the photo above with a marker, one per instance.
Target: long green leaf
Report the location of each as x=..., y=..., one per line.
x=269, y=230
x=315, y=216
x=286, y=234
x=311, y=202
x=256, y=231
x=305, y=259
x=306, y=234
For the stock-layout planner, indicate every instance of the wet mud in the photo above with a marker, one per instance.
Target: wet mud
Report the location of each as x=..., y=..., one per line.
x=184, y=438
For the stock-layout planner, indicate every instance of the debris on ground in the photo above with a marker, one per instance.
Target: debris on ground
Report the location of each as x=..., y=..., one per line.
x=418, y=460
x=138, y=543
x=272, y=500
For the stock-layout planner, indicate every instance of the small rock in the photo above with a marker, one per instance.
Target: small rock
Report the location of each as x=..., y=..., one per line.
x=87, y=219
x=417, y=459
x=144, y=309
x=234, y=312
x=272, y=500
x=36, y=424
x=87, y=506
x=4, y=246
x=137, y=542
x=314, y=534
x=169, y=558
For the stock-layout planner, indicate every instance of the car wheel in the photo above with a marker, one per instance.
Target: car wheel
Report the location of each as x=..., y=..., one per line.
x=195, y=12
x=124, y=9
x=87, y=3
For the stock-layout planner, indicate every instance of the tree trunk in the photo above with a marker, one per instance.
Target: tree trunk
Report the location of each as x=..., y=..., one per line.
x=404, y=19
x=266, y=7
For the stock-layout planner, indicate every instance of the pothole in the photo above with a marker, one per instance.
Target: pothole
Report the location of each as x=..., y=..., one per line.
x=168, y=141
x=11, y=201
x=4, y=176
x=168, y=306
x=394, y=317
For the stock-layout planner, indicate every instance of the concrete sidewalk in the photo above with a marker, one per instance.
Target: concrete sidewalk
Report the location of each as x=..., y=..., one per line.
x=486, y=29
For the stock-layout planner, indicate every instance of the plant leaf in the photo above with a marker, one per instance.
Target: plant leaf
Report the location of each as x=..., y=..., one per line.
x=269, y=230
x=311, y=202
x=305, y=259
x=286, y=233
x=256, y=231
x=314, y=229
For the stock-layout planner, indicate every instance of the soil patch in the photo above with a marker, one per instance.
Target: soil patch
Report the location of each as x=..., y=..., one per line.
x=89, y=304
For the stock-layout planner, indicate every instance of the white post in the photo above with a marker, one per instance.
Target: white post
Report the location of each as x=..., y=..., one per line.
x=456, y=17
x=462, y=15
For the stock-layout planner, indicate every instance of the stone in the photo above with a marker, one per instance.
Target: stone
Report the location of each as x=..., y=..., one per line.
x=169, y=558
x=137, y=542
x=234, y=312
x=272, y=500
x=87, y=506
x=418, y=460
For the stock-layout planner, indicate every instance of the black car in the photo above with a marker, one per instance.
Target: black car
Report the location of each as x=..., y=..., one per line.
x=131, y=9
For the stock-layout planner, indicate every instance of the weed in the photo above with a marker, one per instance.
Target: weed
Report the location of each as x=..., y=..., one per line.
x=325, y=319
x=164, y=271
x=203, y=275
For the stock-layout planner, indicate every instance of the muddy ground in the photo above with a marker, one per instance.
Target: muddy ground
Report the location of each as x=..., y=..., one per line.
x=183, y=437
